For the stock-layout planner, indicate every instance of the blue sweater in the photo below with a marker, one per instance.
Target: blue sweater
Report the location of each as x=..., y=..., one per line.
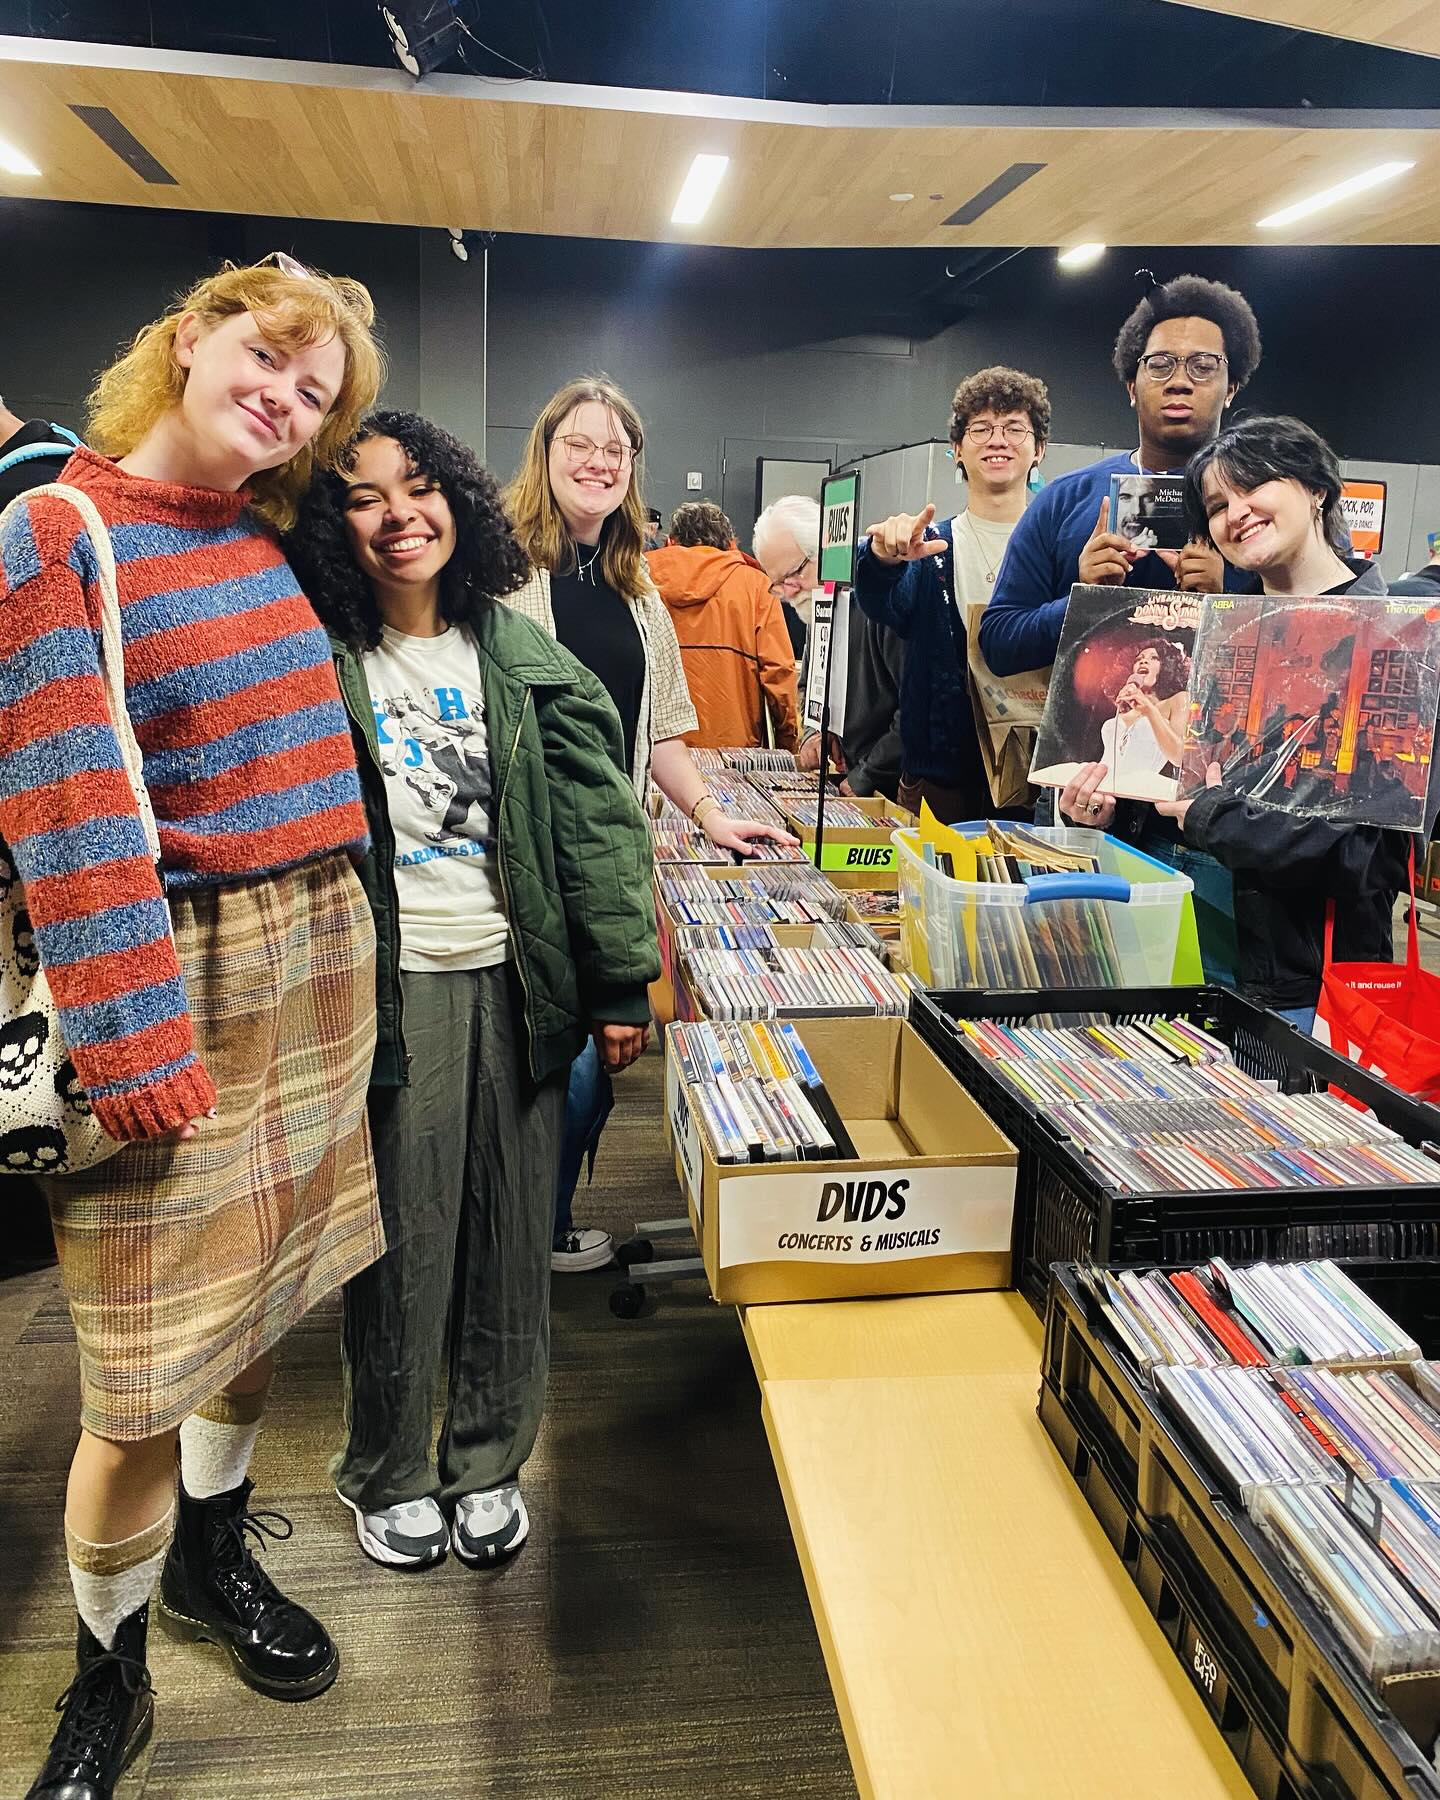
x=937, y=727
x=1020, y=628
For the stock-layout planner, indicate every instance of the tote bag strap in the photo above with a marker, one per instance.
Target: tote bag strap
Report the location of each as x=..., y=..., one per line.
x=112, y=648
x=1412, y=956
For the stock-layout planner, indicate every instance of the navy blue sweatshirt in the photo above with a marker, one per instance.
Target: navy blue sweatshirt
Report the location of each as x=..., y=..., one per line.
x=1020, y=628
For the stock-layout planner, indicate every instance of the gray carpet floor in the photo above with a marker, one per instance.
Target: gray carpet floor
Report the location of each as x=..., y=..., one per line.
x=653, y=1639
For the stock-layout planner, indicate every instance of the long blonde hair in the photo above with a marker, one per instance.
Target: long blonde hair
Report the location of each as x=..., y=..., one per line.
x=293, y=308
x=539, y=524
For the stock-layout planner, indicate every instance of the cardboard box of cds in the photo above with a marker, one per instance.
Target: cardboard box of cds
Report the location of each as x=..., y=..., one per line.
x=863, y=855
x=925, y=1206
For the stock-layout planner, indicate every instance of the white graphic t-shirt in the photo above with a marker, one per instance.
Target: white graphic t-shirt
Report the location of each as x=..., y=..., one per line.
x=435, y=752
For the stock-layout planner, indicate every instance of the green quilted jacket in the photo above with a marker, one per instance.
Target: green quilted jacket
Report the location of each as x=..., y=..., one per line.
x=572, y=847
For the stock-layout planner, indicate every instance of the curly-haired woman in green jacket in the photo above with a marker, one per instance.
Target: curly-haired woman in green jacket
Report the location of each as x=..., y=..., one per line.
x=509, y=877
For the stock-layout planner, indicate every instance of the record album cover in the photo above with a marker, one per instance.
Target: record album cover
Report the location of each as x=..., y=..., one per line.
x=1119, y=690
x=1149, y=510
x=1324, y=706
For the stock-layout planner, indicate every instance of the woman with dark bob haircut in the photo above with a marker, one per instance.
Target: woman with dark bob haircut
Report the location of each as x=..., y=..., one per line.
x=1267, y=495
x=509, y=879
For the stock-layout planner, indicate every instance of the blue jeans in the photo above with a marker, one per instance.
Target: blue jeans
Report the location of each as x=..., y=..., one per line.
x=1301, y=1017
x=587, y=1107
x=1214, y=899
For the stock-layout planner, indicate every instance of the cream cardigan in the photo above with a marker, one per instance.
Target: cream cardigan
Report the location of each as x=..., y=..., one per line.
x=665, y=708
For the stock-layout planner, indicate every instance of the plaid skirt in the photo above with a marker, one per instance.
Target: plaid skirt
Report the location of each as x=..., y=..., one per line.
x=183, y=1263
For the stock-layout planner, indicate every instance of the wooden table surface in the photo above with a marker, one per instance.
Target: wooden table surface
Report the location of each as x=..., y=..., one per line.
x=982, y=1638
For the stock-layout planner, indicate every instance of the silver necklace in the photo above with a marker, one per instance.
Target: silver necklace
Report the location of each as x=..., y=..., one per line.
x=585, y=571
x=990, y=572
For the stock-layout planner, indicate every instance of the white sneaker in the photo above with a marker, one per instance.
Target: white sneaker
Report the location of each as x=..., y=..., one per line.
x=412, y=1535
x=581, y=1250
x=490, y=1526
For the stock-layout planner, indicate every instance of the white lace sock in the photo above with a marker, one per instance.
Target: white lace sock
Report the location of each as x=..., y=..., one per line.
x=111, y=1581
x=216, y=1443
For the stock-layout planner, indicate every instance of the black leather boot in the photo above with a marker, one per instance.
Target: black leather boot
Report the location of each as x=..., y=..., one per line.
x=106, y=1716
x=212, y=1591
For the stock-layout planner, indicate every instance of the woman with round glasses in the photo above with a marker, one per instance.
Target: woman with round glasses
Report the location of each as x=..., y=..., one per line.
x=579, y=516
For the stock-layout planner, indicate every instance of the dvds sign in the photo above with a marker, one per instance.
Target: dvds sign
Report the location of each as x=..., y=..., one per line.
x=1362, y=506
x=875, y=1215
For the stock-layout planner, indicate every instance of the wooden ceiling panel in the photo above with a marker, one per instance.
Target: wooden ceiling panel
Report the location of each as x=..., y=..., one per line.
x=1393, y=24
x=314, y=141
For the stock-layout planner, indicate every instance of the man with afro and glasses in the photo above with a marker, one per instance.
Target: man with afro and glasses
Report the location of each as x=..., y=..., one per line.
x=1184, y=353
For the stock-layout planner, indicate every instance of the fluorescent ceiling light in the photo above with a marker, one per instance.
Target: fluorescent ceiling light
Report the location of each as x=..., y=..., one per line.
x=902, y=196
x=1357, y=184
x=706, y=173
x=13, y=163
x=1080, y=256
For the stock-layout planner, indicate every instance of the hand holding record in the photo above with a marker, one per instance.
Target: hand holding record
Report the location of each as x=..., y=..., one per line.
x=1107, y=558
x=1198, y=569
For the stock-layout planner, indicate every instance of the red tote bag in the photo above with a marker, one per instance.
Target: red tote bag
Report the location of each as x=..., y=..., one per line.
x=1384, y=1015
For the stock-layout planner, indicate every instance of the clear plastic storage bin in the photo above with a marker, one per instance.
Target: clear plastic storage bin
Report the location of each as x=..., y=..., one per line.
x=1132, y=925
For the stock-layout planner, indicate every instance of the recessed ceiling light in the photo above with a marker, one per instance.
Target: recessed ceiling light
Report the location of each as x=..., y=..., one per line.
x=13, y=163
x=706, y=174
x=1357, y=184
x=902, y=196
x=1080, y=256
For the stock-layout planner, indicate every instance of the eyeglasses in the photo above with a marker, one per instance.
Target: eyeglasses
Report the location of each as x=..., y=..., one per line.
x=978, y=432
x=289, y=265
x=777, y=588
x=1201, y=365
x=581, y=449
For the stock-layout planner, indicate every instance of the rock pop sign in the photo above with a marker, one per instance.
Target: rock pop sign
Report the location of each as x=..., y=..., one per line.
x=1362, y=505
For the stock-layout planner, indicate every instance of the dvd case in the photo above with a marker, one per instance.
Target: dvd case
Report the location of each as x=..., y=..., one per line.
x=1148, y=510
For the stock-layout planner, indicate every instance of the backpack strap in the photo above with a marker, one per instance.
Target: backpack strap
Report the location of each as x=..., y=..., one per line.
x=65, y=443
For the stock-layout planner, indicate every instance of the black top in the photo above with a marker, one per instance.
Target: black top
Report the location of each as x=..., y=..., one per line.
x=598, y=628
x=36, y=471
x=1424, y=582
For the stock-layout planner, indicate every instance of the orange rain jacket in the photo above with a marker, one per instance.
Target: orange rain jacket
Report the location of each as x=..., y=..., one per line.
x=733, y=642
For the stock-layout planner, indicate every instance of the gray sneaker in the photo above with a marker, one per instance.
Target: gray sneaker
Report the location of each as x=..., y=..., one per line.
x=490, y=1526
x=409, y=1536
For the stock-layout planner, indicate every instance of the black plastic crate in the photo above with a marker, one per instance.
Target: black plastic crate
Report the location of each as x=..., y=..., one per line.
x=1295, y=1709
x=1064, y=1212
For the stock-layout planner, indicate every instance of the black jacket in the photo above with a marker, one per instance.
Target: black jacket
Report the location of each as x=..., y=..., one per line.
x=1287, y=868
x=1424, y=582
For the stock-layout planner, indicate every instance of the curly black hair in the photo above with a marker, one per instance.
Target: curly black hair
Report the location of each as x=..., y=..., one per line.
x=487, y=561
x=1174, y=671
x=1193, y=297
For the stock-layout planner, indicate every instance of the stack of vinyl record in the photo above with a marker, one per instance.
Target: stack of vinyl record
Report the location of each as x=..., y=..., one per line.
x=840, y=814
x=1159, y=1107
x=1263, y=1316
x=676, y=840
x=757, y=1093
x=1324, y=1420
x=768, y=981
x=752, y=759
x=774, y=894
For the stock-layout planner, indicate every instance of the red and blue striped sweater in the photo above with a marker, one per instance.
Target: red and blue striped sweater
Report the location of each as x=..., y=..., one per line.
x=247, y=756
